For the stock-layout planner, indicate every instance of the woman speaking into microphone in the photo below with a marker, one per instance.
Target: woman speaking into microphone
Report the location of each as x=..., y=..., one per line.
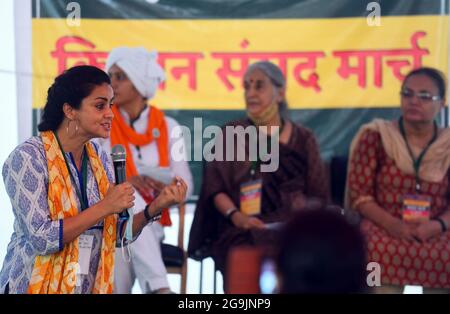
x=65, y=206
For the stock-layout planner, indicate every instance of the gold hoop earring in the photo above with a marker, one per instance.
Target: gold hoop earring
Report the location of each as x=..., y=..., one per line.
x=68, y=125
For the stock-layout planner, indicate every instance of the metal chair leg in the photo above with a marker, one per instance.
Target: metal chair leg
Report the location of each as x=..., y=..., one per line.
x=215, y=278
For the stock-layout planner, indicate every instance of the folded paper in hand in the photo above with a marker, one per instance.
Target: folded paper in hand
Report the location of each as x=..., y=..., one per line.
x=160, y=174
x=274, y=225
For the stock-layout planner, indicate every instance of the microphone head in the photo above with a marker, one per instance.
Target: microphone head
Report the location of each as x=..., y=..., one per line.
x=118, y=153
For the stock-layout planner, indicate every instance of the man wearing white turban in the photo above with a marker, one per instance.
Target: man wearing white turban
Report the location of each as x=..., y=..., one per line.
x=140, y=66
x=144, y=131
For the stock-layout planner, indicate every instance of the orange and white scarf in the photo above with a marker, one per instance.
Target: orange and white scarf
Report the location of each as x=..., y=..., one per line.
x=122, y=133
x=56, y=273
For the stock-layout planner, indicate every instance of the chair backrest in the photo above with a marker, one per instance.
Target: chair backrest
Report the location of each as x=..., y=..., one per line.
x=338, y=177
x=338, y=181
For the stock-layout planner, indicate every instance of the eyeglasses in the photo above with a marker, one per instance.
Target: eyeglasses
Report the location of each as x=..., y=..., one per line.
x=423, y=96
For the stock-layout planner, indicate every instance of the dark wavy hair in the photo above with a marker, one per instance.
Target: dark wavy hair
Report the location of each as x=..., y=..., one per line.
x=70, y=87
x=434, y=74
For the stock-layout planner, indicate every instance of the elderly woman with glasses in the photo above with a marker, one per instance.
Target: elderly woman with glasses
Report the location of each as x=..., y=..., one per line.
x=398, y=180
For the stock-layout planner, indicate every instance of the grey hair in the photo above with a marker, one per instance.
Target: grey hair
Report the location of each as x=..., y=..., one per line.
x=273, y=72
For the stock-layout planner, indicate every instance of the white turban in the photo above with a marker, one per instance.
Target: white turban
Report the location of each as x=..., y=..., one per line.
x=140, y=66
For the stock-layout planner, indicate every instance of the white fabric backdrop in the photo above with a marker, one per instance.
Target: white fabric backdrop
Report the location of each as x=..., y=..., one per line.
x=8, y=113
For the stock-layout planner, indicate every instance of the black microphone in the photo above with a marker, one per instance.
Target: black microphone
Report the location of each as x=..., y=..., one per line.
x=119, y=155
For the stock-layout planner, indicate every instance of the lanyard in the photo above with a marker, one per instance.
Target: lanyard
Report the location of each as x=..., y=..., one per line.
x=82, y=175
x=255, y=163
x=82, y=180
x=418, y=161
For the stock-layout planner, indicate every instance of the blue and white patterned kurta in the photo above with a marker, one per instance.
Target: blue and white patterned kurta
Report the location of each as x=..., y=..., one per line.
x=25, y=175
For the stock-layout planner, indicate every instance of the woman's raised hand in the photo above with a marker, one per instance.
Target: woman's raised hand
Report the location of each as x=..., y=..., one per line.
x=172, y=194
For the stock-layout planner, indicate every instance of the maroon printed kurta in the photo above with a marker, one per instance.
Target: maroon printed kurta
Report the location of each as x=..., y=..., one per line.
x=373, y=173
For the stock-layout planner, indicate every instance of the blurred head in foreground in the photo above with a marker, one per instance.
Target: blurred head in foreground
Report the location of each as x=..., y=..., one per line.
x=320, y=252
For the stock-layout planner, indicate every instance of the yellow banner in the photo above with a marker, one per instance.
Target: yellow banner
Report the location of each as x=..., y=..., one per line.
x=329, y=63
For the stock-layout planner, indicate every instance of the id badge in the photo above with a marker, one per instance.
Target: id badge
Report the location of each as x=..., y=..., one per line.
x=85, y=243
x=251, y=197
x=416, y=208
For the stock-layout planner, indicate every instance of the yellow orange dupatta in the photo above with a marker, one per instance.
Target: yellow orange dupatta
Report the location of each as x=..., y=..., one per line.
x=56, y=273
